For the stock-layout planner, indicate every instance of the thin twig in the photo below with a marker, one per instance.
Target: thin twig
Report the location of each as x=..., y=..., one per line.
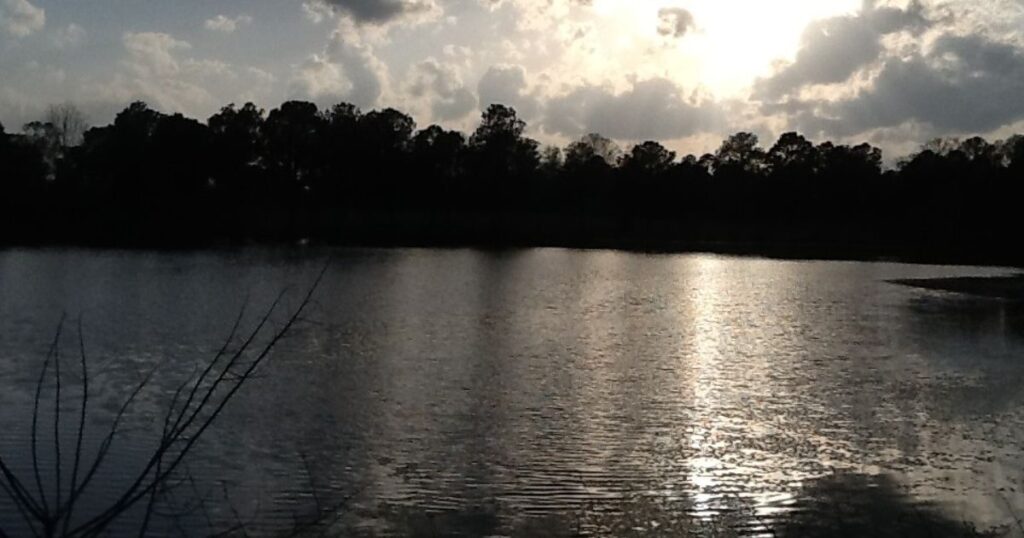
x=109, y=439
x=132, y=494
x=21, y=495
x=312, y=486
x=69, y=510
x=35, y=421
x=141, y=487
x=185, y=422
x=56, y=427
x=209, y=368
x=21, y=509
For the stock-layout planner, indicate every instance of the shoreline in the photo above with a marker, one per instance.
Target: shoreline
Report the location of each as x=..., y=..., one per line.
x=768, y=250
x=1009, y=287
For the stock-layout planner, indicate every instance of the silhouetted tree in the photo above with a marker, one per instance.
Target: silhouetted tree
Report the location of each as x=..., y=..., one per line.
x=342, y=157
x=344, y=175
x=291, y=135
x=649, y=159
x=239, y=187
x=644, y=180
x=592, y=146
x=69, y=124
x=437, y=164
x=500, y=145
x=180, y=149
x=23, y=172
x=500, y=158
x=1013, y=151
x=793, y=154
x=122, y=150
x=137, y=121
x=740, y=152
x=44, y=136
x=978, y=149
x=237, y=138
x=551, y=161
x=385, y=137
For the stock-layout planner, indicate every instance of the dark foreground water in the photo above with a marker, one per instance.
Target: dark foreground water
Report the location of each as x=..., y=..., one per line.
x=544, y=392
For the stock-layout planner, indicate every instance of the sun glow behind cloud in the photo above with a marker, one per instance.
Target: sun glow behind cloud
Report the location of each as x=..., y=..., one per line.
x=730, y=42
x=686, y=72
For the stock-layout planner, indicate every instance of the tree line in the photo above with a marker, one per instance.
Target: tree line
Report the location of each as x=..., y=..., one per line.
x=340, y=175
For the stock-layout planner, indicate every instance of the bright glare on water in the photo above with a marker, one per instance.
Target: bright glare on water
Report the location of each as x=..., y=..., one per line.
x=545, y=391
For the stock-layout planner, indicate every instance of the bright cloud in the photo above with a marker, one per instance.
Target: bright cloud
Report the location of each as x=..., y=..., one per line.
x=687, y=71
x=21, y=18
x=225, y=24
x=347, y=69
x=69, y=36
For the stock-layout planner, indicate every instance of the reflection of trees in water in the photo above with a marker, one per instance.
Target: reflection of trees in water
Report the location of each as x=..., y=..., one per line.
x=864, y=505
x=973, y=344
x=949, y=316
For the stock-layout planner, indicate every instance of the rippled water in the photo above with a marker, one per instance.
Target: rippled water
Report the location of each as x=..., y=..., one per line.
x=546, y=391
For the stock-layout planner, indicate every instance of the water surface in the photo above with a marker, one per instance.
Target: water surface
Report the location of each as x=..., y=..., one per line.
x=548, y=391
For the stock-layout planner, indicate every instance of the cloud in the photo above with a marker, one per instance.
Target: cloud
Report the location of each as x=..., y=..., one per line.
x=892, y=70
x=441, y=85
x=317, y=11
x=152, y=53
x=225, y=24
x=208, y=68
x=506, y=85
x=834, y=49
x=373, y=11
x=674, y=21
x=534, y=15
x=654, y=108
x=319, y=76
x=346, y=70
x=961, y=84
x=154, y=67
x=39, y=85
x=68, y=37
x=261, y=75
x=156, y=71
x=20, y=18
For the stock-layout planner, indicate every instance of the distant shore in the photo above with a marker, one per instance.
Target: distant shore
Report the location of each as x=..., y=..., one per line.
x=927, y=254
x=1009, y=287
x=299, y=174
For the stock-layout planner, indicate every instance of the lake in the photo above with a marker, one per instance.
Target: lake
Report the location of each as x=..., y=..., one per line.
x=533, y=392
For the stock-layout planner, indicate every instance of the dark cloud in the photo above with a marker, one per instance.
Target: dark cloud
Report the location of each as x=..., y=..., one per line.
x=651, y=109
x=454, y=106
x=441, y=85
x=506, y=85
x=674, y=21
x=377, y=11
x=834, y=49
x=962, y=84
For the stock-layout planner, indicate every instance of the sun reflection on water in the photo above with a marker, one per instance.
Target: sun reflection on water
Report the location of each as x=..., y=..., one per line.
x=716, y=465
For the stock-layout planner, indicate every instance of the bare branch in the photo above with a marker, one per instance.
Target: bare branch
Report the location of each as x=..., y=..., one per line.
x=143, y=487
x=69, y=508
x=35, y=419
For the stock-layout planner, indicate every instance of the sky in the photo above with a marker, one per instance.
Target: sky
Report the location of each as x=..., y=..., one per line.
x=686, y=72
